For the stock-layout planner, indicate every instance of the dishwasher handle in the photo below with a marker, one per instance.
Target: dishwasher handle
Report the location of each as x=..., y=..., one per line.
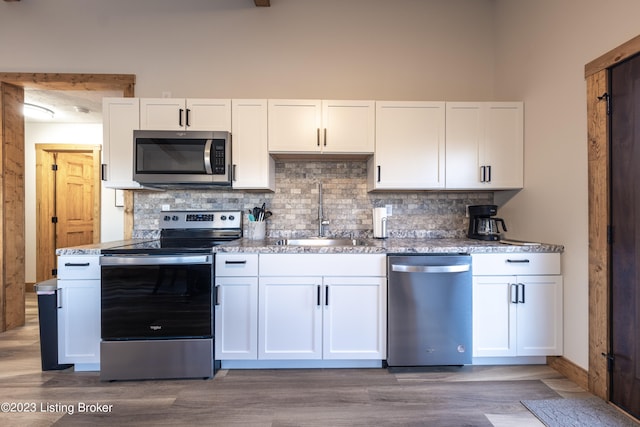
x=459, y=268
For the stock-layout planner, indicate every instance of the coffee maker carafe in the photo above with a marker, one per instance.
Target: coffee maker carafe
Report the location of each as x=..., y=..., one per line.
x=483, y=225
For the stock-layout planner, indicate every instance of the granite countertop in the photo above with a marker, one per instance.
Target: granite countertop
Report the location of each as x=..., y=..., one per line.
x=373, y=246
x=96, y=248
x=389, y=246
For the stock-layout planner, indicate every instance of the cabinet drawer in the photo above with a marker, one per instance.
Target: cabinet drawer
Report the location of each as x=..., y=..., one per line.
x=516, y=263
x=236, y=265
x=323, y=265
x=78, y=267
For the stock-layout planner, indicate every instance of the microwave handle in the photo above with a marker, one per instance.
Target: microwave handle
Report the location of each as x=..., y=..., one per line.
x=207, y=157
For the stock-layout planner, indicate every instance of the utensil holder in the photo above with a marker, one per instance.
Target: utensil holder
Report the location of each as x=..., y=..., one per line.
x=257, y=230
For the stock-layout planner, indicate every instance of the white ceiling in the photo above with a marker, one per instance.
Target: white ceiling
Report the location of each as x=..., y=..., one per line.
x=64, y=103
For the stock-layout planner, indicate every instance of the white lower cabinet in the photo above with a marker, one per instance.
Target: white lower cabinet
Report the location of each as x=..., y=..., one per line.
x=236, y=309
x=79, y=311
x=517, y=314
x=236, y=318
x=301, y=307
x=322, y=318
x=290, y=321
x=354, y=318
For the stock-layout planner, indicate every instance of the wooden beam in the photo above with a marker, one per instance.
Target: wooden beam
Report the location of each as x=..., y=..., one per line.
x=613, y=57
x=262, y=3
x=62, y=81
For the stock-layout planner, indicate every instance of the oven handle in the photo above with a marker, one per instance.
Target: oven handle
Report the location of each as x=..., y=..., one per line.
x=156, y=259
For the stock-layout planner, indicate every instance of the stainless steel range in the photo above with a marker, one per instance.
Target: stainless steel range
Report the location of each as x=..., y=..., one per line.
x=157, y=299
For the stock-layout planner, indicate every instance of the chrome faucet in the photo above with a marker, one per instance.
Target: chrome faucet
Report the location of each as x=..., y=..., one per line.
x=322, y=221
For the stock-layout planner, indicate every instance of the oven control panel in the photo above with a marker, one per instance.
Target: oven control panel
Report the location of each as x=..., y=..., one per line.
x=201, y=219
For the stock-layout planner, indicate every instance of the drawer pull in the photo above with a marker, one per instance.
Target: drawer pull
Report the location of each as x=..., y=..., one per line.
x=77, y=264
x=518, y=261
x=231, y=262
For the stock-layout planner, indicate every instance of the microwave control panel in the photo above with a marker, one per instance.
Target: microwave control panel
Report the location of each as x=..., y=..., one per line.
x=218, y=158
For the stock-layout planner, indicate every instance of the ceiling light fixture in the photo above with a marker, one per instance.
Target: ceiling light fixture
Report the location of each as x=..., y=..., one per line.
x=37, y=111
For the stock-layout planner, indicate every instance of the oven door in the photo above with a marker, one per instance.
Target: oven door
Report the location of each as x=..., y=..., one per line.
x=156, y=297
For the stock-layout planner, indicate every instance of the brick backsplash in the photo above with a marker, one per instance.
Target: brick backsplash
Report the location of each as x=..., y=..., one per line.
x=347, y=204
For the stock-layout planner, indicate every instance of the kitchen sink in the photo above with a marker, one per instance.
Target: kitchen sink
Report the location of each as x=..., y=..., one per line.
x=320, y=241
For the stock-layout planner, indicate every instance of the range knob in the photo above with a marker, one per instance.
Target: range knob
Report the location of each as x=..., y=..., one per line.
x=231, y=217
x=175, y=218
x=224, y=218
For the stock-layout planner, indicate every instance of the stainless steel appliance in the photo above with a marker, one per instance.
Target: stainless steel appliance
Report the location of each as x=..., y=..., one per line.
x=429, y=310
x=483, y=225
x=157, y=299
x=179, y=158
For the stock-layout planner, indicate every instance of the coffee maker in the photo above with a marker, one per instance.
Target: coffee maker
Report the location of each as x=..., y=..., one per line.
x=482, y=223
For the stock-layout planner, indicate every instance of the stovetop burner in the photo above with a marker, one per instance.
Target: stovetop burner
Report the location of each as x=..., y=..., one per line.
x=184, y=232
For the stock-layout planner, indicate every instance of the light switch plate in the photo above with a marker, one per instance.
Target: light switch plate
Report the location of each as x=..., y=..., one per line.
x=166, y=207
x=389, y=210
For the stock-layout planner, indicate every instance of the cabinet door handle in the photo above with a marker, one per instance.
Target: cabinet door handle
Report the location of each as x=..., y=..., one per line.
x=489, y=173
x=77, y=264
x=318, y=137
x=59, y=298
x=103, y=171
x=180, y=113
x=378, y=173
x=326, y=295
x=518, y=261
x=325, y=137
x=233, y=173
x=514, y=293
x=217, y=301
x=521, y=298
x=483, y=173
x=188, y=117
x=318, y=302
x=235, y=262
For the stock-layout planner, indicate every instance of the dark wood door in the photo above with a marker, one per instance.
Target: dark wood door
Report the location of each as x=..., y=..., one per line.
x=625, y=248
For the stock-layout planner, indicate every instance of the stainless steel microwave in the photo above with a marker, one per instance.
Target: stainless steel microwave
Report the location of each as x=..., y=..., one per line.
x=182, y=158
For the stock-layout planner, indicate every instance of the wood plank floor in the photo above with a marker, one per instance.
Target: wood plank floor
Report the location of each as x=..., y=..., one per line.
x=469, y=396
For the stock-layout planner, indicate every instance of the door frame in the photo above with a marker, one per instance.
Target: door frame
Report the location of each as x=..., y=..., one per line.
x=68, y=81
x=45, y=229
x=597, y=78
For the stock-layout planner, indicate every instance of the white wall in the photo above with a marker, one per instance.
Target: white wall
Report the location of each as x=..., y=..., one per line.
x=355, y=49
x=542, y=48
x=46, y=133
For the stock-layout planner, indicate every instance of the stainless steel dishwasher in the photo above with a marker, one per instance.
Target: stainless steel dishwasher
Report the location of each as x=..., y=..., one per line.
x=429, y=310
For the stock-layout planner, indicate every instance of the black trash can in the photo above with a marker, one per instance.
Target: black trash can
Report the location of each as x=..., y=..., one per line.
x=48, y=319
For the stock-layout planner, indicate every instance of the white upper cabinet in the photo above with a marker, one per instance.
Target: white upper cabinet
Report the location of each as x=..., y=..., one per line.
x=185, y=114
x=253, y=167
x=120, y=119
x=315, y=126
x=409, y=148
x=484, y=145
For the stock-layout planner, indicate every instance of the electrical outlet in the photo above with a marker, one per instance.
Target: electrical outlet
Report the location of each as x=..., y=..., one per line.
x=166, y=207
x=389, y=210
